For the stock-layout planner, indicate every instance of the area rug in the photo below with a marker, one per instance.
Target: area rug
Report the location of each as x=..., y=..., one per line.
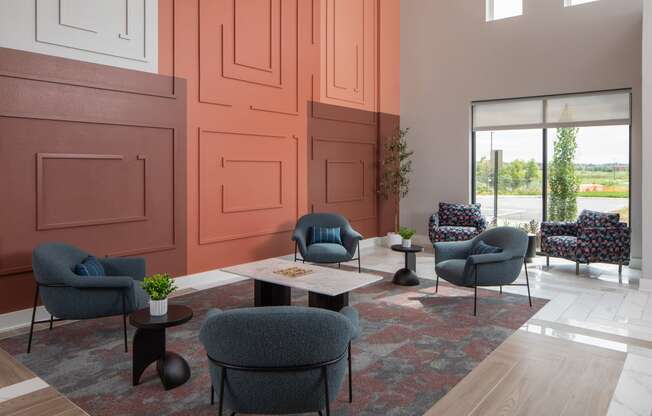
x=415, y=346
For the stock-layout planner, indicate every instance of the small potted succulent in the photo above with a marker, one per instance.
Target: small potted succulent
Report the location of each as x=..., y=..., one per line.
x=158, y=287
x=407, y=234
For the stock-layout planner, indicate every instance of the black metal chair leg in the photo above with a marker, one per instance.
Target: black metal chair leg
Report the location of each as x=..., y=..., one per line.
x=527, y=283
x=222, y=380
x=350, y=377
x=31, y=327
x=577, y=267
x=437, y=284
x=359, y=255
x=295, y=250
x=51, y=322
x=124, y=319
x=320, y=413
x=475, y=295
x=548, y=261
x=501, y=289
x=339, y=265
x=328, y=405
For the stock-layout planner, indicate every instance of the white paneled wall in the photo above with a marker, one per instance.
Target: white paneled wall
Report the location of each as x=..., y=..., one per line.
x=121, y=33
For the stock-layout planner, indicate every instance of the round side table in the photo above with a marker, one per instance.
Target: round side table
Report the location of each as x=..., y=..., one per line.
x=149, y=345
x=406, y=275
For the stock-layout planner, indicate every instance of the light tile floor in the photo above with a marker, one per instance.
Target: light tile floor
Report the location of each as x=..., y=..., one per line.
x=591, y=309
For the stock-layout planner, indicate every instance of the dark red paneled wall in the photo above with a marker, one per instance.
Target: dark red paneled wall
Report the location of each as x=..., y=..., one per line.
x=89, y=155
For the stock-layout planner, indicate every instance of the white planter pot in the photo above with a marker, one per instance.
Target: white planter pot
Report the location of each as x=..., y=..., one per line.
x=393, y=239
x=407, y=243
x=158, y=307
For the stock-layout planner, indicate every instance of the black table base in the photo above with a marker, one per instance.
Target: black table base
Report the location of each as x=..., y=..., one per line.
x=406, y=277
x=271, y=294
x=149, y=346
x=333, y=303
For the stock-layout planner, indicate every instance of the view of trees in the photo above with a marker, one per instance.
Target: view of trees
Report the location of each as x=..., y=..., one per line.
x=515, y=178
x=563, y=179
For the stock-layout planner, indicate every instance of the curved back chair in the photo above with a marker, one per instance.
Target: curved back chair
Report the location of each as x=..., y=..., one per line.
x=276, y=360
x=66, y=295
x=455, y=263
x=326, y=252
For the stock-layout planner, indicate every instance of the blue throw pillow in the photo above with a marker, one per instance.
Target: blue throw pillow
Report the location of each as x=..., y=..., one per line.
x=325, y=235
x=90, y=267
x=484, y=248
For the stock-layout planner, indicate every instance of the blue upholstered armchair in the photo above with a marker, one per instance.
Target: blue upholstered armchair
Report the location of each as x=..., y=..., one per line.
x=278, y=360
x=456, y=222
x=326, y=252
x=595, y=237
x=66, y=295
x=470, y=264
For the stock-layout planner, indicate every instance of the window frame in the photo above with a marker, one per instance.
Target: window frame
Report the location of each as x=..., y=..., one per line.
x=490, y=11
x=544, y=149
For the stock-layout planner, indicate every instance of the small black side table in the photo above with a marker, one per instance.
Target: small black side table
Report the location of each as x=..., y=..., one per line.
x=406, y=276
x=149, y=345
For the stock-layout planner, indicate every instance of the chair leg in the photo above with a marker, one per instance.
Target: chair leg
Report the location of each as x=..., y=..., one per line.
x=51, y=321
x=527, y=283
x=359, y=255
x=577, y=268
x=31, y=326
x=222, y=381
x=548, y=262
x=437, y=284
x=501, y=289
x=295, y=250
x=328, y=405
x=339, y=265
x=212, y=394
x=350, y=377
x=475, y=295
x=620, y=269
x=124, y=319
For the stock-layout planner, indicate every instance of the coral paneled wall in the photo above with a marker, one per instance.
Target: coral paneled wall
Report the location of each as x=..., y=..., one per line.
x=284, y=116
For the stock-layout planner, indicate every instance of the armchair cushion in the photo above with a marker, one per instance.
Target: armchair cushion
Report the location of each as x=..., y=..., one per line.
x=561, y=246
x=453, y=233
x=325, y=235
x=597, y=219
x=461, y=215
x=326, y=253
x=89, y=267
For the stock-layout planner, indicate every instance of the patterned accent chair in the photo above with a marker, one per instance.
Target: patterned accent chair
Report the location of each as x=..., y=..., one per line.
x=595, y=237
x=456, y=222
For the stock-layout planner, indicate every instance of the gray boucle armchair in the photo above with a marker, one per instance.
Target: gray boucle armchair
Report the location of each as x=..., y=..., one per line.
x=66, y=295
x=278, y=360
x=326, y=252
x=455, y=263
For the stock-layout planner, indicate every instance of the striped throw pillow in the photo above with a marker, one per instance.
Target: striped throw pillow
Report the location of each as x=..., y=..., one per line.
x=325, y=235
x=90, y=267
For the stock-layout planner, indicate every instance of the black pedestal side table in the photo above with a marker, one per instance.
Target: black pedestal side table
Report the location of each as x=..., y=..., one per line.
x=406, y=276
x=149, y=345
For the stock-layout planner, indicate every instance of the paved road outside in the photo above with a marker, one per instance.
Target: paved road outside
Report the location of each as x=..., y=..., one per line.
x=519, y=209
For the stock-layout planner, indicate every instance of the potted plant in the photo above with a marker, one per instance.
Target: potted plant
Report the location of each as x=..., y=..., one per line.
x=394, y=179
x=158, y=287
x=534, y=239
x=407, y=234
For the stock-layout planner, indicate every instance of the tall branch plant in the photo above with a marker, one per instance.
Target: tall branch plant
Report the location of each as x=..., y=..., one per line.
x=396, y=168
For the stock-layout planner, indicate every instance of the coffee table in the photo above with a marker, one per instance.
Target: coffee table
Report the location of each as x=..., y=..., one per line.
x=328, y=288
x=407, y=276
x=149, y=345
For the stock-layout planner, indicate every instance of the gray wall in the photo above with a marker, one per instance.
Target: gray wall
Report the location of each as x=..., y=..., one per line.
x=647, y=146
x=450, y=57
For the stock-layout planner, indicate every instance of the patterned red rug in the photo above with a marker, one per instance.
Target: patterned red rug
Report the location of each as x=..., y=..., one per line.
x=416, y=345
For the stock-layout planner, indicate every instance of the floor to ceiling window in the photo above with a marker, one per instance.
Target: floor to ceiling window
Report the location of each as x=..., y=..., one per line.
x=549, y=158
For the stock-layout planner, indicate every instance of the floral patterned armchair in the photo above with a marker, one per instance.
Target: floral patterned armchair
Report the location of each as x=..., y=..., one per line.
x=596, y=237
x=456, y=222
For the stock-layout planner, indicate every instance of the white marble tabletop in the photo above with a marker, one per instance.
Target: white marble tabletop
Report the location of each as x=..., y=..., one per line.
x=323, y=280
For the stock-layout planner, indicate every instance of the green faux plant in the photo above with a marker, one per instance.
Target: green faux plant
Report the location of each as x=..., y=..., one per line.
x=395, y=169
x=159, y=286
x=407, y=233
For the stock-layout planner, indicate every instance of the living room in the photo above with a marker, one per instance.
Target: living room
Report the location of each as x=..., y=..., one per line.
x=337, y=207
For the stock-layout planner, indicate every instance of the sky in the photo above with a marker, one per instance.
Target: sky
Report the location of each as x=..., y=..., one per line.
x=598, y=145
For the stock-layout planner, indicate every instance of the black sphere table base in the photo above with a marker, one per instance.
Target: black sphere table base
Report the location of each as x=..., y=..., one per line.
x=406, y=277
x=149, y=346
